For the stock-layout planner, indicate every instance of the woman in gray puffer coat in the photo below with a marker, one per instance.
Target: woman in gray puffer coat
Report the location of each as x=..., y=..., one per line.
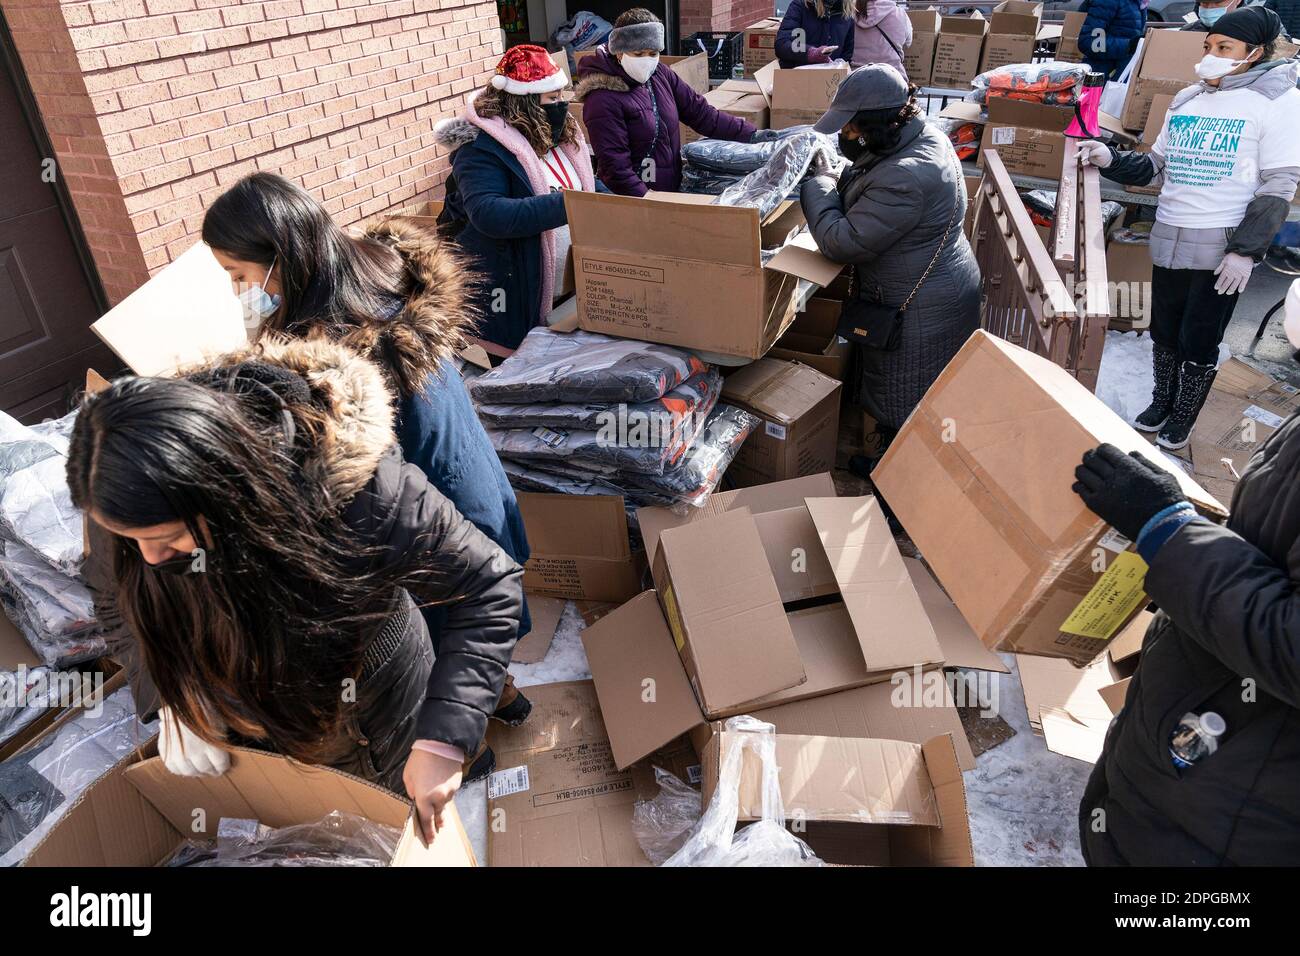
x=895, y=213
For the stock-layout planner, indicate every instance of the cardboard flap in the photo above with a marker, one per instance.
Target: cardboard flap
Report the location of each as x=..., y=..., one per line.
x=958, y=641
x=582, y=525
x=450, y=846
x=674, y=228
x=777, y=390
x=845, y=779
x=1114, y=694
x=891, y=624
x=645, y=697
x=15, y=652
x=184, y=315
x=794, y=554
x=800, y=258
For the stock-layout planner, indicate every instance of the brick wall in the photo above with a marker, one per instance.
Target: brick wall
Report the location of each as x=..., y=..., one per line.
x=154, y=107
x=696, y=15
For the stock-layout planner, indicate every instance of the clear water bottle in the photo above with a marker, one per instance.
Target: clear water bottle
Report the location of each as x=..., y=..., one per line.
x=1195, y=737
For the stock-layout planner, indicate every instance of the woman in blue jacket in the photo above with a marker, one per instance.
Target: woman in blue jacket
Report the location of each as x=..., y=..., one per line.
x=515, y=150
x=396, y=295
x=815, y=31
x=1110, y=33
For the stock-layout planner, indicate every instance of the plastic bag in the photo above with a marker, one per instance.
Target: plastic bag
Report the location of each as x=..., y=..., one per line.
x=584, y=367
x=338, y=839
x=25, y=694
x=714, y=841
x=35, y=504
x=662, y=823
x=792, y=159
x=696, y=394
x=1053, y=81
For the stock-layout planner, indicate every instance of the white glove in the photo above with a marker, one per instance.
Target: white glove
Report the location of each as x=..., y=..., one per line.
x=1233, y=272
x=1292, y=322
x=1094, y=153
x=184, y=753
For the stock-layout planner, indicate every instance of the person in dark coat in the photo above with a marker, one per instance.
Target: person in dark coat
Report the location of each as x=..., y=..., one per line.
x=260, y=545
x=1226, y=641
x=631, y=106
x=1208, y=13
x=515, y=150
x=897, y=208
x=1110, y=33
x=398, y=294
x=815, y=31
x=1289, y=13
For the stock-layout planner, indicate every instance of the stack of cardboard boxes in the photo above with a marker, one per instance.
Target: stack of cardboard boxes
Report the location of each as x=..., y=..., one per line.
x=1013, y=31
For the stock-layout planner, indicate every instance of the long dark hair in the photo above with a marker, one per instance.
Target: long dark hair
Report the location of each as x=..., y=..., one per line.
x=262, y=640
x=524, y=112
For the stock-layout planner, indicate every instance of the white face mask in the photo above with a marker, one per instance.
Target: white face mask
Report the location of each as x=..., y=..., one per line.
x=639, y=67
x=258, y=304
x=1214, y=67
x=1292, y=321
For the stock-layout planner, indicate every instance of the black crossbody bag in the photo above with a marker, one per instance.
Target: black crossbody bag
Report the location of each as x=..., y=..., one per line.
x=875, y=324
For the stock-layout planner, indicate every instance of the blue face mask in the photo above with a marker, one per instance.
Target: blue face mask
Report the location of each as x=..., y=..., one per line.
x=1210, y=15
x=258, y=304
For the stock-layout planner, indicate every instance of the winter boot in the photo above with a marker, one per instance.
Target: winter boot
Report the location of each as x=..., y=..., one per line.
x=1194, y=381
x=513, y=707
x=1165, y=363
x=478, y=766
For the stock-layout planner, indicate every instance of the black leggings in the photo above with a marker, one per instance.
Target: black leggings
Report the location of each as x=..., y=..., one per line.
x=1187, y=315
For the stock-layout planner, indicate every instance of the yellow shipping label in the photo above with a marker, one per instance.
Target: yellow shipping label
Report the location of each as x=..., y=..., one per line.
x=1117, y=594
x=674, y=619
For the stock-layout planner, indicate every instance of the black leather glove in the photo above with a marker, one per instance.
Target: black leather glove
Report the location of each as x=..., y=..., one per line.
x=1125, y=491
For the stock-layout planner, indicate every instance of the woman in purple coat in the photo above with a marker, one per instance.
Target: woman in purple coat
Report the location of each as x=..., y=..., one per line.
x=631, y=106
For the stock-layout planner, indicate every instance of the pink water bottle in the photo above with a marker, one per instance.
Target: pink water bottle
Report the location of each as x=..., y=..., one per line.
x=1084, y=124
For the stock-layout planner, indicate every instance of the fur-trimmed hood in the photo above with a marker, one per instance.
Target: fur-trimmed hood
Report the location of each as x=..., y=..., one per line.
x=349, y=393
x=437, y=319
x=601, y=71
x=455, y=132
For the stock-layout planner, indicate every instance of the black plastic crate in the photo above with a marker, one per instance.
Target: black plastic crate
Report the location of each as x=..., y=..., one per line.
x=724, y=51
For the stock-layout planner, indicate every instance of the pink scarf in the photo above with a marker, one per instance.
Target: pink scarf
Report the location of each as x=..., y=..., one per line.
x=519, y=147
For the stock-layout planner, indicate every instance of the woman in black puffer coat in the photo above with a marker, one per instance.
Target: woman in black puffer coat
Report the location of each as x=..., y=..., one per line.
x=260, y=547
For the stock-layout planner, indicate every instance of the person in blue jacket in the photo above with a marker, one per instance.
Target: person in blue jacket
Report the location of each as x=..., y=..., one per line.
x=515, y=149
x=1110, y=33
x=815, y=31
x=397, y=295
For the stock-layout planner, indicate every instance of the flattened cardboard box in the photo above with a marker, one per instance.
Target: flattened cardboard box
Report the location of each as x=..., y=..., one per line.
x=800, y=412
x=676, y=269
x=1163, y=65
x=918, y=56
x=580, y=548
x=812, y=339
x=139, y=813
x=866, y=801
x=980, y=477
x=957, y=51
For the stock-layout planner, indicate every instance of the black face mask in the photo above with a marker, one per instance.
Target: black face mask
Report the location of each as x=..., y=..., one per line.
x=556, y=114
x=851, y=148
x=177, y=566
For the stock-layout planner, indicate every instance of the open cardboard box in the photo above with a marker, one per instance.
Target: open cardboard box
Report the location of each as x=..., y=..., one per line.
x=918, y=56
x=1013, y=31
x=800, y=96
x=957, y=51
x=760, y=44
x=1164, y=64
x=139, y=813
x=675, y=269
x=737, y=100
x=980, y=477
x=865, y=801
x=813, y=340
x=716, y=638
x=1067, y=48
x=580, y=548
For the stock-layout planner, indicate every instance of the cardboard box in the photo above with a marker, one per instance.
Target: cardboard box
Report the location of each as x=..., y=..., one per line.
x=1067, y=49
x=1013, y=31
x=1155, y=123
x=1128, y=273
x=799, y=96
x=1030, y=152
x=957, y=51
x=980, y=477
x=1163, y=65
x=139, y=813
x=918, y=56
x=705, y=565
x=673, y=268
x=747, y=104
x=800, y=409
x=580, y=547
x=186, y=314
x=865, y=801
x=812, y=339
x=694, y=69
x=760, y=44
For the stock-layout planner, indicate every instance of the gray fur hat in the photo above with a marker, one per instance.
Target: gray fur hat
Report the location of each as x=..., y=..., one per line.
x=636, y=36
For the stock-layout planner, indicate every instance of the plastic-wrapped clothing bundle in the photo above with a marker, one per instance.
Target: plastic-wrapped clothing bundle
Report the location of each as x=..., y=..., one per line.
x=714, y=841
x=704, y=182
x=964, y=135
x=35, y=505
x=545, y=477
x=766, y=187
x=56, y=613
x=662, y=823
x=696, y=395
x=1041, y=204
x=337, y=839
x=25, y=694
x=1054, y=82
x=725, y=156
x=584, y=367
x=38, y=785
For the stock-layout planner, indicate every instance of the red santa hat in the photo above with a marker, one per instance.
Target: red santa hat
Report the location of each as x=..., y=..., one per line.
x=528, y=68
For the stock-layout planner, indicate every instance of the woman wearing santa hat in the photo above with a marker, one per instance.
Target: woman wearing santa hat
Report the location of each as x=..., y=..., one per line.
x=515, y=150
